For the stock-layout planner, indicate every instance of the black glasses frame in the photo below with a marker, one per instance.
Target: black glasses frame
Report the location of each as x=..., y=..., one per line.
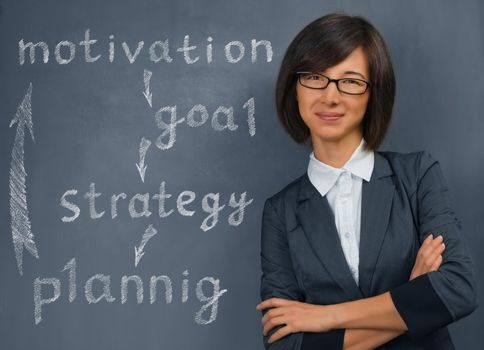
x=336, y=81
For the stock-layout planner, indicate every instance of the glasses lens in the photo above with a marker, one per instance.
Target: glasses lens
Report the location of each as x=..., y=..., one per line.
x=314, y=81
x=352, y=86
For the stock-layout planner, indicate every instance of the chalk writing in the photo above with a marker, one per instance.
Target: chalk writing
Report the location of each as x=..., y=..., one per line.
x=198, y=116
x=20, y=223
x=143, y=148
x=158, y=51
x=138, y=251
x=91, y=204
x=139, y=205
x=209, y=303
x=147, y=93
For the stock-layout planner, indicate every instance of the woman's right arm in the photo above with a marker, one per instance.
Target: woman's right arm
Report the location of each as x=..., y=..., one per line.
x=278, y=280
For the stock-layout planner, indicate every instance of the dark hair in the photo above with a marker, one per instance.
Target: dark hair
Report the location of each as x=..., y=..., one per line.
x=326, y=42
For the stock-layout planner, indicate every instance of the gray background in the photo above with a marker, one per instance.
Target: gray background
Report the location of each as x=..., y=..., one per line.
x=89, y=119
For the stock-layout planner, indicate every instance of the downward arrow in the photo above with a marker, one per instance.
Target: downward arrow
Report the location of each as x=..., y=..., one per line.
x=21, y=231
x=146, y=78
x=138, y=251
x=143, y=147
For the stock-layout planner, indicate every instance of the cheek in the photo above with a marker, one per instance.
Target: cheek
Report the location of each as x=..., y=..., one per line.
x=304, y=107
x=304, y=100
x=359, y=107
x=299, y=97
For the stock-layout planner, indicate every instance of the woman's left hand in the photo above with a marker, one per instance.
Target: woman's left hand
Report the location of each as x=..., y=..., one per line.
x=296, y=316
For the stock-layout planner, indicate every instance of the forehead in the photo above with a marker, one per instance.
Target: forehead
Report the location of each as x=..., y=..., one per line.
x=356, y=61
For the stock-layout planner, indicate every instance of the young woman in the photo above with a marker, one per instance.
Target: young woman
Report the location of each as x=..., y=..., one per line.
x=364, y=249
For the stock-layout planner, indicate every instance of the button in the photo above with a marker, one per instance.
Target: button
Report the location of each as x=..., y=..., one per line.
x=346, y=177
x=347, y=234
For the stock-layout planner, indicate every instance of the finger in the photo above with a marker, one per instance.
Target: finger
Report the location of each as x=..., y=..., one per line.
x=427, y=244
x=271, y=323
x=426, y=255
x=272, y=302
x=430, y=259
x=432, y=246
x=265, y=304
x=437, y=240
x=274, y=312
x=430, y=249
x=280, y=333
x=441, y=247
x=437, y=263
x=435, y=253
x=428, y=239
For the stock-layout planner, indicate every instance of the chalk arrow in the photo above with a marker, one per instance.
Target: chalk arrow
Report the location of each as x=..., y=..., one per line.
x=22, y=235
x=143, y=147
x=138, y=251
x=146, y=78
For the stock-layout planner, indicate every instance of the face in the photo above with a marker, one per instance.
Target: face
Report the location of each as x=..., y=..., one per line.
x=330, y=115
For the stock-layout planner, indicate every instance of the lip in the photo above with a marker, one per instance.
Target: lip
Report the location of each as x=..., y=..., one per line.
x=329, y=116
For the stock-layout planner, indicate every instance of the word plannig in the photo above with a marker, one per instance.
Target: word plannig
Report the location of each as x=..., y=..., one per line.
x=98, y=288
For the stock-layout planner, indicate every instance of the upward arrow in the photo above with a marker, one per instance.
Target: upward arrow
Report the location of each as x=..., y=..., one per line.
x=21, y=232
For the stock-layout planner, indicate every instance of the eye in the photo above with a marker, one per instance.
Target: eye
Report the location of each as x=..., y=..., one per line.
x=312, y=77
x=353, y=82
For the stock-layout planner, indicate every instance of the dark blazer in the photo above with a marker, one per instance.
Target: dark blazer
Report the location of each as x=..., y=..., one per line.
x=405, y=200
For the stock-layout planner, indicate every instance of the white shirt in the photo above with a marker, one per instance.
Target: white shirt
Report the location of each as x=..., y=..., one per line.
x=342, y=186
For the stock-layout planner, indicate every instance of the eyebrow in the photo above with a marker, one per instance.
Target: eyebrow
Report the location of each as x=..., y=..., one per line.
x=353, y=72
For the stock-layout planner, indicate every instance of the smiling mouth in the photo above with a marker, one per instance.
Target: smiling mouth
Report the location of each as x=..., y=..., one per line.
x=327, y=116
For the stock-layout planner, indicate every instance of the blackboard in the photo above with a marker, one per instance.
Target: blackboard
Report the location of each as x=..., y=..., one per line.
x=139, y=140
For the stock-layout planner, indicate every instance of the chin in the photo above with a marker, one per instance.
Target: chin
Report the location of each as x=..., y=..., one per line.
x=331, y=136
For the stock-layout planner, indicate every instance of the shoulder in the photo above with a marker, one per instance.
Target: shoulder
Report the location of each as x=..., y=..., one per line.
x=289, y=191
x=410, y=162
x=283, y=202
x=412, y=159
x=410, y=167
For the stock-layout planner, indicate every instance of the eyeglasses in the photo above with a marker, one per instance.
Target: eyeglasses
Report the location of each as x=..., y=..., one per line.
x=349, y=86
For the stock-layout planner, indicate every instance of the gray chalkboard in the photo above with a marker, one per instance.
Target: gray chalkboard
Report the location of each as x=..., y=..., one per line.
x=138, y=142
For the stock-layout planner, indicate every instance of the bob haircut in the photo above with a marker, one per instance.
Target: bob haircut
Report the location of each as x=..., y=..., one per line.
x=324, y=43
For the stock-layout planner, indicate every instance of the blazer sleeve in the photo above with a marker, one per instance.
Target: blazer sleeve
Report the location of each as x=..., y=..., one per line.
x=440, y=297
x=278, y=280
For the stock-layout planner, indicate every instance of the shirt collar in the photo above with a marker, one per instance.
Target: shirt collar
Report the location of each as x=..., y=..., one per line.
x=324, y=176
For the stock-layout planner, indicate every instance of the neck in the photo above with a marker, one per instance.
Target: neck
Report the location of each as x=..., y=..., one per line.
x=335, y=153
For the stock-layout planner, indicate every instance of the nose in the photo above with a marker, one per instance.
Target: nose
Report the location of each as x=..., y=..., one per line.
x=331, y=94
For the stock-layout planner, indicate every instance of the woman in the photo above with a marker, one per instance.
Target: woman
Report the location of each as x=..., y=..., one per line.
x=364, y=249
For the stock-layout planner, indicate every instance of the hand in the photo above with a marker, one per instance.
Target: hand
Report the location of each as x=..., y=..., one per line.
x=429, y=256
x=295, y=316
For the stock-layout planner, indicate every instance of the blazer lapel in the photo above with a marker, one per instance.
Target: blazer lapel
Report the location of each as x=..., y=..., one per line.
x=318, y=223
x=317, y=220
x=376, y=203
